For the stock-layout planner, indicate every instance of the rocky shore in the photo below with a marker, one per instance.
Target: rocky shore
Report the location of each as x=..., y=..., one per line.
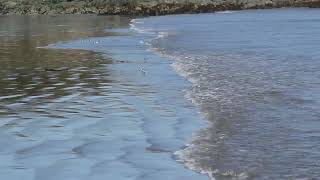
x=141, y=7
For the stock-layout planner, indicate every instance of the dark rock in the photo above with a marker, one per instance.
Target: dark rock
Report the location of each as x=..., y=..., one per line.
x=142, y=7
x=157, y=150
x=60, y=69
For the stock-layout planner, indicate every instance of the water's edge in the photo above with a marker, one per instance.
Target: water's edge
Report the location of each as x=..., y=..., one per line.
x=167, y=120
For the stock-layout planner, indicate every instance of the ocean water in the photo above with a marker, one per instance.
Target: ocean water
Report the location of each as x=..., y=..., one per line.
x=255, y=78
x=229, y=95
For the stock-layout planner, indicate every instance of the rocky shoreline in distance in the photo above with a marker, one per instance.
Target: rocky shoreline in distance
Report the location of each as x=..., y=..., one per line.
x=142, y=7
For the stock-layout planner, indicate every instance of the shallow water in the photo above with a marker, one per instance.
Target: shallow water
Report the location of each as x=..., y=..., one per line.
x=255, y=77
x=69, y=111
x=26, y=72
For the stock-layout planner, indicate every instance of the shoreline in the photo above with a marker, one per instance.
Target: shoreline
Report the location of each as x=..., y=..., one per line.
x=144, y=8
x=102, y=115
x=167, y=121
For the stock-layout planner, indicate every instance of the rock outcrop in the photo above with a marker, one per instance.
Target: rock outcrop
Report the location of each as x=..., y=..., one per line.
x=141, y=7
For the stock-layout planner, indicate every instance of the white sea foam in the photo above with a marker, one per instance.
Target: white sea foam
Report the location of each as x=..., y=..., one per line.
x=183, y=156
x=182, y=64
x=134, y=27
x=162, y=35
x=225, y=12
x=136, y=21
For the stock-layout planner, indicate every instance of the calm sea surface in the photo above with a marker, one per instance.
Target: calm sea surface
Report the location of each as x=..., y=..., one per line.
x=256, y=78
